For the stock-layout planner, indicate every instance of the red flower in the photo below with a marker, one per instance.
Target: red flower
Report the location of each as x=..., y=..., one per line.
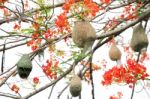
x=6, y=12
x=66, y=7
x=48, y=34
x=3, y=1
x=29, y=43
x=129, y=78
x=144, y=76
x=51, y=68
x=70, y=1
x=35, y=80
x=113, y=97
x=144, y=56
x=86, y=2
x=118, y=96
x=61, y=22
x=34, y=47
x=15, y=88
x=17, y=26
x=93, y=8
x=35, y=35
x=107, y=78
x=35, y=42
x=106, y=1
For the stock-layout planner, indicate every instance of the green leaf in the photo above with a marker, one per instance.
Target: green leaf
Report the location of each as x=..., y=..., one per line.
x=13, y=33
x=79, y=57
x=28, y=14
x=27, y=31
x=70, y=59
x=40, y=2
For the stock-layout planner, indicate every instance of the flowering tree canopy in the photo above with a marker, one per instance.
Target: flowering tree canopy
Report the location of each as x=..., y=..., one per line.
x=43, y=36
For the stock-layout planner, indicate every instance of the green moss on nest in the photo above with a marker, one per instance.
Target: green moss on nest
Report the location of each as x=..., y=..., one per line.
x=24, y=66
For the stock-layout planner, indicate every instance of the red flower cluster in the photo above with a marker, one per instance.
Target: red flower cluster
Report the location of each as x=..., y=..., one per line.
x=129, y=74
x=51, y=68
x=67, y=5
x=131, y=12
x=49, y=33
x=92, y=8
x=89, y=8
x=62, y=23
x=34, y=42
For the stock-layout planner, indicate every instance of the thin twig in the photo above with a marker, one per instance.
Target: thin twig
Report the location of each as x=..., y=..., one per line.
x=8, y=95
x=133, y=89
x=22, y=2
x=120, y=30
x=60, y=93
x=10, y=47
x=51, y=91
x=91, y=77
x=7, y=71
x=12, y=42
x=3, y=57
x=5, y=78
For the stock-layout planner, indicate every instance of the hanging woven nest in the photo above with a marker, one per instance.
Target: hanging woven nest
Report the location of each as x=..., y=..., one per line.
x=75, y=86
x=139, y=39
x=114, y=52
x=24, y=66
x=83, y=32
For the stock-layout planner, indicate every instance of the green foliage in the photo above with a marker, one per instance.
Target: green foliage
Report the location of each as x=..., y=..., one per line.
x=27, y=31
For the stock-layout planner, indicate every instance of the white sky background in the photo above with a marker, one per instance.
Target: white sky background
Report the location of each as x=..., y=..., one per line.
x=101, y=92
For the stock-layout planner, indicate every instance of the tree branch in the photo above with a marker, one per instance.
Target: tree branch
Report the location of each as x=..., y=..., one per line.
x=10, y=19
x=120, y=30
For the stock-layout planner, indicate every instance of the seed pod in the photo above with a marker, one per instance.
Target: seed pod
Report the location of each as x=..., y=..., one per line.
x=24, y=66
x=83, y=32
x=75, y=86
x=139, y=39
x=114, y=53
